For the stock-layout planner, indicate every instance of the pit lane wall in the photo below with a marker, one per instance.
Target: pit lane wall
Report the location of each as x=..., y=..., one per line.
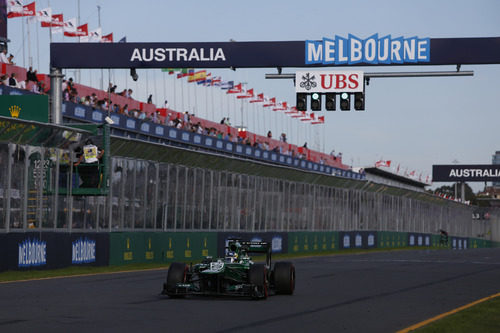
x=51, y=250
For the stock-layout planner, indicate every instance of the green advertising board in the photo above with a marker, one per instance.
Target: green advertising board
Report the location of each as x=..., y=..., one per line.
x=143, y=247
x=312, y=242
x=392, y=239
x=28, y=107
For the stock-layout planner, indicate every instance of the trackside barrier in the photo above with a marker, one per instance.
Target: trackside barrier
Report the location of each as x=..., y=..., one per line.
x=50, y=250
x=391, y=239
x=143, y=247
x=312, y=242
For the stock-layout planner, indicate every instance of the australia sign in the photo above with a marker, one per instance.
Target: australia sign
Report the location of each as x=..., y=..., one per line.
x=465, y=173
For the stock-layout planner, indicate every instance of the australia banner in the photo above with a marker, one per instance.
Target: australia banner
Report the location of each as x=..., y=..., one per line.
x=465, y=173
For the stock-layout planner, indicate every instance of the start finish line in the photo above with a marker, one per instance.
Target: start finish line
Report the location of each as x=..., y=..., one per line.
x=336, y=51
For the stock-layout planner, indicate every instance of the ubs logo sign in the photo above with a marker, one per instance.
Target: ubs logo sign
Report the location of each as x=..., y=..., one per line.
x=329, y=81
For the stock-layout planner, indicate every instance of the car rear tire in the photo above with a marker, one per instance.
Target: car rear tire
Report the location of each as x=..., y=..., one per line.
x=176, y=274
x=284, y=278
x=257, y=276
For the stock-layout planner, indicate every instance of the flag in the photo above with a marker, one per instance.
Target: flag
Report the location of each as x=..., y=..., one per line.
x=235, y=90
x=197, y=76
x=44, y=15
x=283, y=107
x=184, y=72
x=321, y=120
x=412, y=173
x=93, y=36
x=271, y=102
x=259, y=99
x=80, y=31
x=56, y=22
x=70, y=26
x=123, y=40
x=18, y=10
x=304, y=116
x=107, y=39
x=248, y=94
x=14, y=8
x=382, y=163
x=217, y=81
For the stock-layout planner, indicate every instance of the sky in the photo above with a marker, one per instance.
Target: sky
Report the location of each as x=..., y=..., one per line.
x=414, y=122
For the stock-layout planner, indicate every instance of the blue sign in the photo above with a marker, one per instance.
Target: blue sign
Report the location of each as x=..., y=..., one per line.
x=372, y=50
x=83, y=251
x=32, y=253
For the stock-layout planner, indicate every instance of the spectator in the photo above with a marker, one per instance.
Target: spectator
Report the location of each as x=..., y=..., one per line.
x=128, y=94
x=223, y=121
x=9, y=59
x=150, y=99
x=269, y=135
x=3, y=56
x=125, y=110
x=228, y=123
x=35, y=88
x=5, y=80
x=12, y=80
x=29, y=74
x=283, y=137
x=64, y=85
x=23, y=84
x=305, y=145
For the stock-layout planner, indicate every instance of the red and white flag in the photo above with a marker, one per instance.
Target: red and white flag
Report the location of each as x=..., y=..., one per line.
x=94, y=36
x=270, y=102
x=107, y=38
x=248, y=94
x=259, y=99
x=382, y=163
x=57, y=21
x=237, y=89
x=321, y=120
x=16, y=9
x=44, y=15
x=307, y=117
x=282, y=107
x=80, y=31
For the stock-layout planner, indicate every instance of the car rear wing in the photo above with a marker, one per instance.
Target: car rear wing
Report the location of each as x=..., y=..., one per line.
x=251, y=247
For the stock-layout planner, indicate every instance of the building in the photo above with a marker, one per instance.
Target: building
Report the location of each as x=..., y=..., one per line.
x=496, y=160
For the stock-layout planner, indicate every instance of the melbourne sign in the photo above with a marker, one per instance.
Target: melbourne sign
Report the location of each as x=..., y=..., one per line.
x=350, y=50
x=465, y=173
x=329, y=81
x=32, y=253
x=372, y=50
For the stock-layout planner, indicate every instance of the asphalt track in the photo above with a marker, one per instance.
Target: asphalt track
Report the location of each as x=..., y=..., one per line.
x=373, y=292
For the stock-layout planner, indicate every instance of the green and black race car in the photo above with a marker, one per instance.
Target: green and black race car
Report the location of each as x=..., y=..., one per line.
x=234, y=275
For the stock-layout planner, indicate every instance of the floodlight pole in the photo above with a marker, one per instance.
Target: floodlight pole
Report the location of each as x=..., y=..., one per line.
x=56, y=95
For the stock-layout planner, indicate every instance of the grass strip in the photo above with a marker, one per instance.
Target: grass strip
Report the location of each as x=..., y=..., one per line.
x=483, y=317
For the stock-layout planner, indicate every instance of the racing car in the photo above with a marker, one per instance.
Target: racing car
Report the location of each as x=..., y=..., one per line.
x=233, y=275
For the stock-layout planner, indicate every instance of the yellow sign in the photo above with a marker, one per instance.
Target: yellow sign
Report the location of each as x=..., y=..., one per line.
x=14, y=111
